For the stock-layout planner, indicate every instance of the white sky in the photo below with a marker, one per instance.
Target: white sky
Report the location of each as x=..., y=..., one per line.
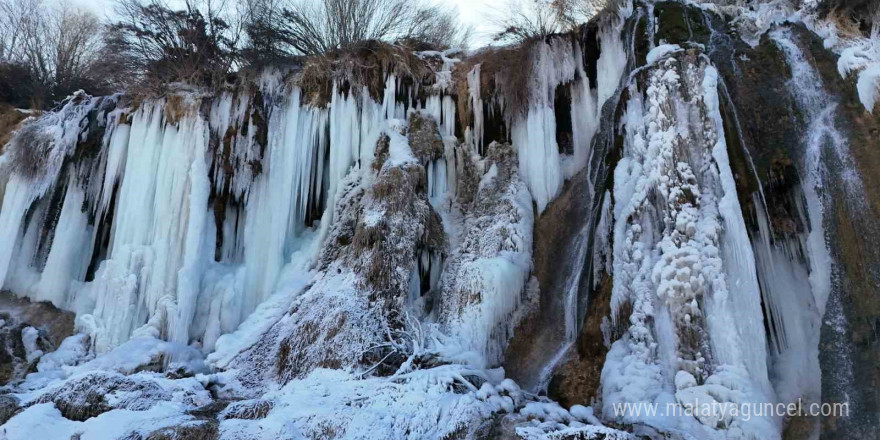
x=477, y=13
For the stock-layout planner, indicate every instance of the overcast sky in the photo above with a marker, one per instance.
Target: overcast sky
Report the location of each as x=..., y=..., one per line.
x=477, y=13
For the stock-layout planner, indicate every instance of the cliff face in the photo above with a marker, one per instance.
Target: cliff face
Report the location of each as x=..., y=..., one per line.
x=675, y=206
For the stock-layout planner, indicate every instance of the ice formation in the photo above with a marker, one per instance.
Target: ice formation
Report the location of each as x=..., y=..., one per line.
x=257, y=262
x=681, y=254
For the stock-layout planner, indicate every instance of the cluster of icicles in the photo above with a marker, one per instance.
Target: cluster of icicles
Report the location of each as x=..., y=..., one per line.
x=133, y=240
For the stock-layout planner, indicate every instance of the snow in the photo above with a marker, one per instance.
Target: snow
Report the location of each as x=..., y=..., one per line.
x=419, y=406
x=140, y=351
x=661, y=51
x=683, y=261
x=29, y=337
x=45, y=421
x=485, y=278
x=72, y=351
x=869, y=87
x=859, y=56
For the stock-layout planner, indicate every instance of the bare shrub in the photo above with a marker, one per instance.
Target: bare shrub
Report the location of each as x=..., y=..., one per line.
x=279, y=29
x=573, y=13
x=363, y=64
x=424, y=138
x=192, y=430
x=195, y=45
x=85, y=397
x=247, y=409
x=29, y=149
x=525, y=20
x=9, y=119
x=9, y=406
x=531, y=19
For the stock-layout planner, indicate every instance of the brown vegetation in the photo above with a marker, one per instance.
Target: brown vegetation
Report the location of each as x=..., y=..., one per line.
x=360, y=65
x=855, y=17
x=248, y=409
x=195, y=430
x=497, y=79
x=85, y=397
x=9, y=120
x=424, y=138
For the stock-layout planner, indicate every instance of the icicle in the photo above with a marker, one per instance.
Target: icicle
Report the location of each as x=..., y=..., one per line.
x=744, y=308
x=611, y=63
x=72, y=241
x=534, y=133
x=585, y=113
x=278, y=198
x=17, y=198
x=160, y=213
x=476, y=104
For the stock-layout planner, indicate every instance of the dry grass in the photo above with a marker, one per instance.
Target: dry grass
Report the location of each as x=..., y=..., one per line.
x=175, y=108
x=435, y=236
x=497, y=78
x=398, y=187
x=366, y=64
x=9, y=120
x=467, y=175
x=84, y=398
x=199, y=430
x=382, y=150
x=8, y=407
x=296, y=356
x=28, y=149
x=853, y=18
x=248, y=410
x=291, y=352
x=424, y=138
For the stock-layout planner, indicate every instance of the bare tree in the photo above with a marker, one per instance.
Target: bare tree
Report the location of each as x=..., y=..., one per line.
x=56, y=45
x=438, y=27
x=196, y=44
x=573, y=13
x=74, y=38
x=527, y=19
x=13, y=14
x=308, y=27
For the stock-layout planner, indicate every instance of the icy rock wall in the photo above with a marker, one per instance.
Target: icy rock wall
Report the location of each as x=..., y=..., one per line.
x=681, y=256
x=487, y=272
x=177, y=217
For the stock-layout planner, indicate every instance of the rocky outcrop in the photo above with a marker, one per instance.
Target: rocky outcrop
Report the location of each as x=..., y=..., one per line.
x=27, y=332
